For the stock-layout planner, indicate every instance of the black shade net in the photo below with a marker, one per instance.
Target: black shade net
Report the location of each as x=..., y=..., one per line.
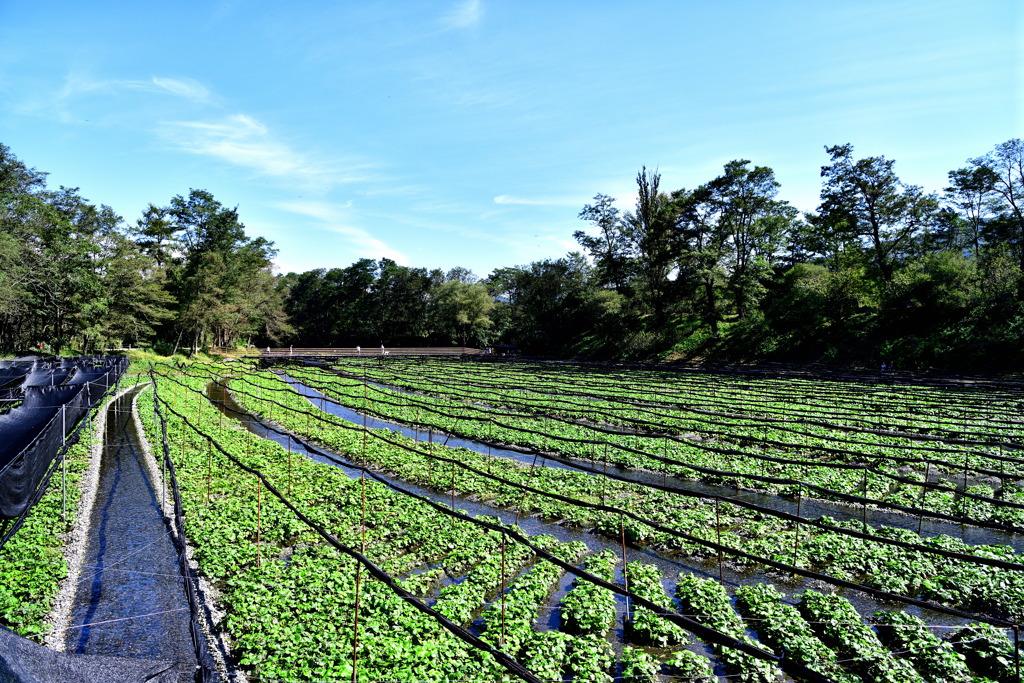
x=22, y=661
x=46, y=377
x=33, y=433
x=10, y=375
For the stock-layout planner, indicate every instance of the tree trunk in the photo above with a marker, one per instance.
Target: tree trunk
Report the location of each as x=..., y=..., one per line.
x=177, y=342
x=712, y=307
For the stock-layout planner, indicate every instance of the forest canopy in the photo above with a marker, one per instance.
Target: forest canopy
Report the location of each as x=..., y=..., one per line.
x=880, y=270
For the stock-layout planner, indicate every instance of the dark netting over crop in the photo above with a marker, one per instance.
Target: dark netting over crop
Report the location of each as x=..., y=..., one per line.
x=12, y=373
x=33, y=433
x=98, y=380
x=45, y=376
x=22, y=661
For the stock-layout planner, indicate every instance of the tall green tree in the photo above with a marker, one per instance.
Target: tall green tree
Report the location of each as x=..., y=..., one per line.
x=134, y=291
x=756, y=224
x=220, y=277
x=401, y=301
x=610, y=248
x=462, y=312
x=1003, y=170
x=972, y=196
x=652, y=233
x=705, y=244
x=863, y=201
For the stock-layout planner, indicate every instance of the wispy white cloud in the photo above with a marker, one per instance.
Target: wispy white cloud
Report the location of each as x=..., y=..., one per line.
x=185, y=87
x=466, y=14
x=335, y=218
x=244, y=141
x=540, y=201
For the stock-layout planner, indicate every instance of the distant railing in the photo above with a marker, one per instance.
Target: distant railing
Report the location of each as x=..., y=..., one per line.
x=373, y=351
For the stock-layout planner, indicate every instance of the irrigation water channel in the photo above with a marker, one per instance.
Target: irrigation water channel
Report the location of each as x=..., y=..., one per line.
x=670, y=565
x=808, y=507
x=130, y=600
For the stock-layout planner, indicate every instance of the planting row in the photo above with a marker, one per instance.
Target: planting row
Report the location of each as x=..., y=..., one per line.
x=590, y=614
x=675, y=523
x=886, y=482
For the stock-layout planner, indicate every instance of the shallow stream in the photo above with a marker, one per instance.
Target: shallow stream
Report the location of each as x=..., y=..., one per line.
x=130, y=600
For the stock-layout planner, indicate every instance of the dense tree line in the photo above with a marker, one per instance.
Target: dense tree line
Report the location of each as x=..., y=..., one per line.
x=881, y=270
x=75, y=276
x=380, y=302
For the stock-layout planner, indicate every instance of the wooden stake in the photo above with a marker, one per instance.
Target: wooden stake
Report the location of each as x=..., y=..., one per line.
x=1016, y=650
x=502, y=643
x=209, y=468
x=362, y=514
x=625, y=574
x=796, y=530
x=864, y=505
x=355, y=623
x=259, y=519
x=64, y=461
x=364, y=423
x=924, y=489
x=529, y=480
x=604, y=479
x=718, y=530
x=963, y=498
x=664, y=465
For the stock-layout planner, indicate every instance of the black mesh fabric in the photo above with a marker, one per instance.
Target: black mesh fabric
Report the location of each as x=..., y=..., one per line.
x=45, y=377
x=12, y=374
x=98, y=380
x=33, y=433
x=22, y=661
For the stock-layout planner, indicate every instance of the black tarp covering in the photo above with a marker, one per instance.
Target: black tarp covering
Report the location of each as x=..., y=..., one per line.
x=12, y=373
x=99, y=380
x=45, y=377
x=22, y=661
x=32, y=434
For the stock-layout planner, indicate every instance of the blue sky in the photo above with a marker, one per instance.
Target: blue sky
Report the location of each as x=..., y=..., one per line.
x=471, y=133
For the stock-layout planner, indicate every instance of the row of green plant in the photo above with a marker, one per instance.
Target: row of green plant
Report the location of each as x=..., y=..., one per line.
x=639, y=662
x=271, y=627
x=707, y=601
x=951, y=411
x=934, y=658
x=508, y=623
x=781, y=627
x=643, y=408
x=907, y=537
x=644, y=625
x=885, y=482
x=290, y=598
x=839, y=625
x=825, y=551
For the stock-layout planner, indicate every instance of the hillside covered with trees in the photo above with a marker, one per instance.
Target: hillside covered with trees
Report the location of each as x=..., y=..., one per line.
x=881, y=270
